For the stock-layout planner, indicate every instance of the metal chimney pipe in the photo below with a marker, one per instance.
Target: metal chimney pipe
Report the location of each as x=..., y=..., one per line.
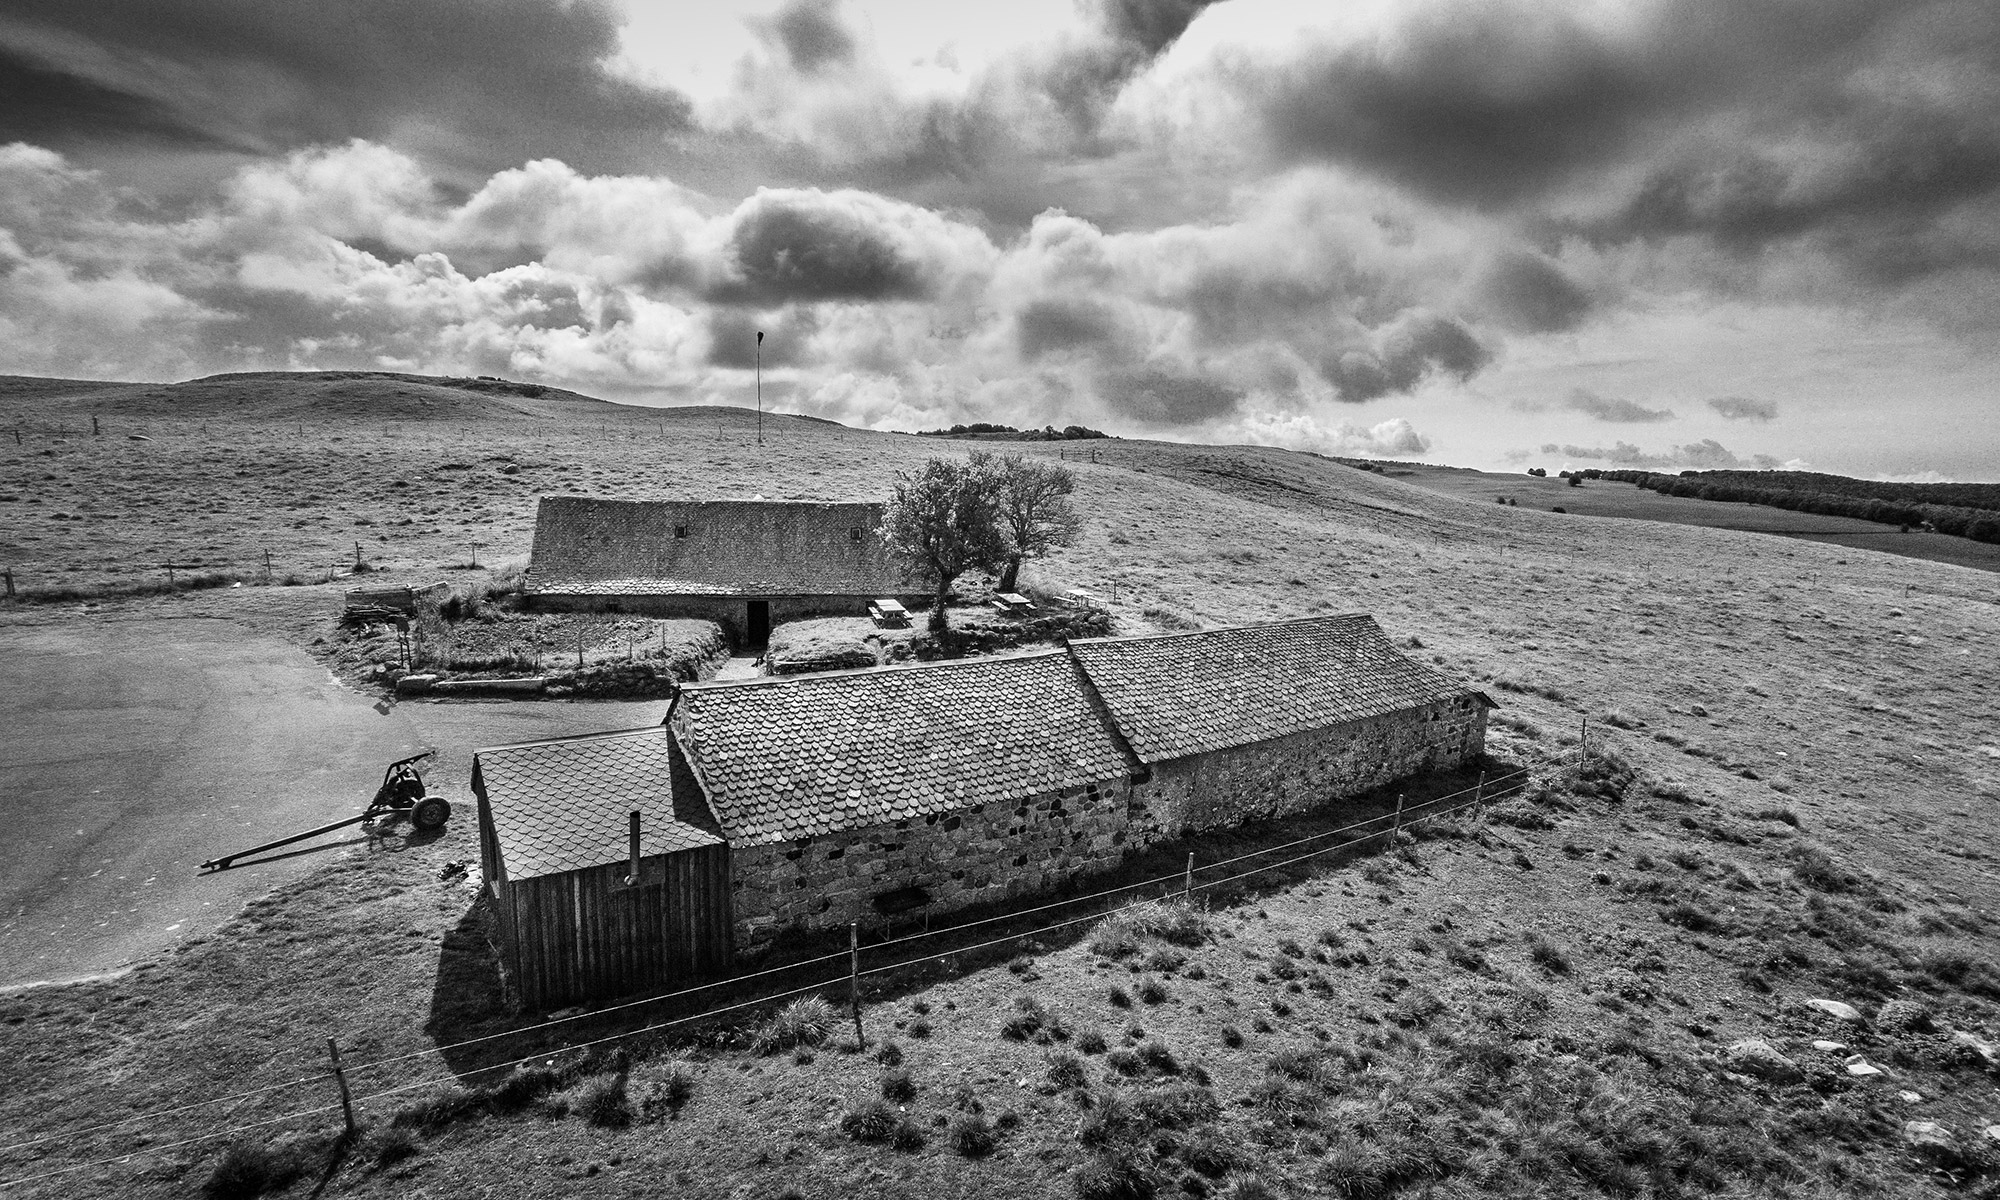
x=632, y=878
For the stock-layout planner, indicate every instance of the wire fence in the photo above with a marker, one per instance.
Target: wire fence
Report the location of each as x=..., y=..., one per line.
x=1184, y=884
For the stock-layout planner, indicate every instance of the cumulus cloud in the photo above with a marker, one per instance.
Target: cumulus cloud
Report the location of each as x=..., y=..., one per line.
x=1744, y=408
x=1614, y=409
x=1527, y=292
x=1417, y=346
x=812, y=35
x=1707, y=454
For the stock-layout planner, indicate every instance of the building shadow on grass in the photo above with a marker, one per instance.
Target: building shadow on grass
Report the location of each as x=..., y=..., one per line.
x=903, y=956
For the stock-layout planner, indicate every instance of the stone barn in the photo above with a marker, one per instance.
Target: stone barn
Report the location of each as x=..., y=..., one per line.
x=744, y=564
x=855, y=794
x=557, y=855
x=806, y=802
x=1262, y=721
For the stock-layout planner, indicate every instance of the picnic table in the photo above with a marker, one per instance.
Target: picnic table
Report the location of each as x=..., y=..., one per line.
x=1013, y=602
x=889, y=612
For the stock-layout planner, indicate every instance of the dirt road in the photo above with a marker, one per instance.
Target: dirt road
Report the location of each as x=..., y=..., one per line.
x=134, y=749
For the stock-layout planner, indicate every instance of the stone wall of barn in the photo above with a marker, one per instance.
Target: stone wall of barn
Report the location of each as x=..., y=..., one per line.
x=995, y=851
x=730, y=612
x=1302, y=772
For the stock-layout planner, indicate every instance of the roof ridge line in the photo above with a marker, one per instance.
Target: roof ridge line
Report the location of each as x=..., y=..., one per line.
x=884, y=668
x=570, y=737
x=1191, y=633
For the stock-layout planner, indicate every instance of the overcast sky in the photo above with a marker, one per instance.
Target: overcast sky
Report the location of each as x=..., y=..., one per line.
x=1674, y=233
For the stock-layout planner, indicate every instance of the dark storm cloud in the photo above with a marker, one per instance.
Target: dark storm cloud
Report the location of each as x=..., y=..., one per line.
x=812, y=34
x=1082, y=82
x=1493, y=104
x=1163, y=397
x=48, y=106
x=1528, y=293
x=811, y=248
x=1416, y=347
x=732, y=338
x=1614, y=409
x=1743, y=408
x=1053, y=326
x=480, y=83
x=1885, y=183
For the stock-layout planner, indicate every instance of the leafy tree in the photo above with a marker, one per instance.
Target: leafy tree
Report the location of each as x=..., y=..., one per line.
x=943, y=521
x=1035, y=515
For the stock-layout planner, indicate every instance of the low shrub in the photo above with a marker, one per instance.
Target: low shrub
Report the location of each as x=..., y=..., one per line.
x=1090, y=1040
x=806, y=1021
x=1232, y=1037
x=1119, y=997
x=1177, y=1106
x=1116, y=1177
x=391, y=1146
x=1158, y=1056
x=246, y=1169
x=1152, y=991
x=668, y=1092
x=889, y=1054
x=601, y=1100
x=898, y=1086
x=1066, y=1070
x=1176, y=921
x=972, y=1135
x=439, y=1109
x=1549, y=958
x=870, y=1121
x=524, y=1085
x=908, y=1136
x=1813, y=867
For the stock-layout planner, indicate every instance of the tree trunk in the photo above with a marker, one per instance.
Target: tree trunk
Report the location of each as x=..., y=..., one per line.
x=1011, y=574
x=938, y=620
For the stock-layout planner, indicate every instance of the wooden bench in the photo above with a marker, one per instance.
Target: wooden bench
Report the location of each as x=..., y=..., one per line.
x=1013, y=602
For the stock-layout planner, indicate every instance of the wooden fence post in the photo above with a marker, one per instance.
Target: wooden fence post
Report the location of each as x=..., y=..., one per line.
x=340, y=1078
x=854, y=978
x=8, y=574
x=1187, y=881
x=1396, y=832
x=1479, y=795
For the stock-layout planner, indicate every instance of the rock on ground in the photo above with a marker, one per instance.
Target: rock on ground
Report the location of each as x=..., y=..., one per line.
x=1837, y=1010
x=1761, y=1060
x=1930, y=1142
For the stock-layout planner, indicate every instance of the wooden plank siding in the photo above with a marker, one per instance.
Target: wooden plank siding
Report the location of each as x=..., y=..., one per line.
x=581, y=936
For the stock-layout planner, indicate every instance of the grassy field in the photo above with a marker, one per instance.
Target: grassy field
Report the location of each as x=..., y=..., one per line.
x=1797, y=798
x=1606, y=498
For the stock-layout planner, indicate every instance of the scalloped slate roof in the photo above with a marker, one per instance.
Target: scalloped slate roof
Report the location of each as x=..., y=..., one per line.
x=713, y=548
x=797, y=756
x=1188, y=693
x=561, y=805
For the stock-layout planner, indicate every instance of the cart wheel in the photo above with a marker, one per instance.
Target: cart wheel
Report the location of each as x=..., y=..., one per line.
x=430, y=813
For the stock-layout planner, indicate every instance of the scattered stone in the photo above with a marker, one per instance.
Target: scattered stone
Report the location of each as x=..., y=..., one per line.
x=1829, y=1047
x=415, y=685
x=1761, y=1060
x=1931, y=1142
x=1858, y=1065
x=1993, y=1133
x=1837, y=1010
x=1909, y=1097
x=1985, y=1049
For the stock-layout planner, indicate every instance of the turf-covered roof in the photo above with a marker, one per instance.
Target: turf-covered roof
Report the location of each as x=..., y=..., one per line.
x=1187, y=693
x=797, y=756
x=713, y=548
x=562, y=805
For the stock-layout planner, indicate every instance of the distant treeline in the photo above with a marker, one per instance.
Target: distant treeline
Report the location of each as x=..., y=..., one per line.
x=1047, y=433
x=1969, y=510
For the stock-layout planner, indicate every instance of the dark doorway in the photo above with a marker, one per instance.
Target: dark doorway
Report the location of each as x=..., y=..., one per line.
x=757, y=624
